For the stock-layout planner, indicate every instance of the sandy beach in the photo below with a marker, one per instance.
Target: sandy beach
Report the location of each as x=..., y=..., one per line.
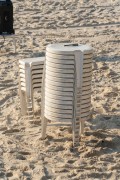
x=23, y=155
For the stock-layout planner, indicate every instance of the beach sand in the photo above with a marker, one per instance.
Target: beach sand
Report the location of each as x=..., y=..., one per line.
x=23, y=155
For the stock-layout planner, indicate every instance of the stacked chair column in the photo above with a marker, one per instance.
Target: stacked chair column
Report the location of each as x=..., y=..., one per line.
x=67, y=87
x=30, y=79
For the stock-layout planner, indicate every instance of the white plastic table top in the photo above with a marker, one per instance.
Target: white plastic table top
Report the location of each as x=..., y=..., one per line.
x=68, y=48
x=34, y=60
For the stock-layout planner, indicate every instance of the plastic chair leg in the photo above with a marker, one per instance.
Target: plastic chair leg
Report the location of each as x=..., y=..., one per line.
x=82, y=123
x=44, y=128
x=23, y=104
x=76, y=132
x=29, y=91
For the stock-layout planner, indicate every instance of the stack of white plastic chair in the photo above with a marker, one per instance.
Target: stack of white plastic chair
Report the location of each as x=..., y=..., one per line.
x=30, y=79
x=67, y=87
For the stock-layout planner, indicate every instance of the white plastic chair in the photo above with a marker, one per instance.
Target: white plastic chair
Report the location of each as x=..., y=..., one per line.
x=30, y=79
x=67, y=87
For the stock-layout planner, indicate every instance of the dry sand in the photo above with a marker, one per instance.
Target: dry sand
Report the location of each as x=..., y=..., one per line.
x=23, y=156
